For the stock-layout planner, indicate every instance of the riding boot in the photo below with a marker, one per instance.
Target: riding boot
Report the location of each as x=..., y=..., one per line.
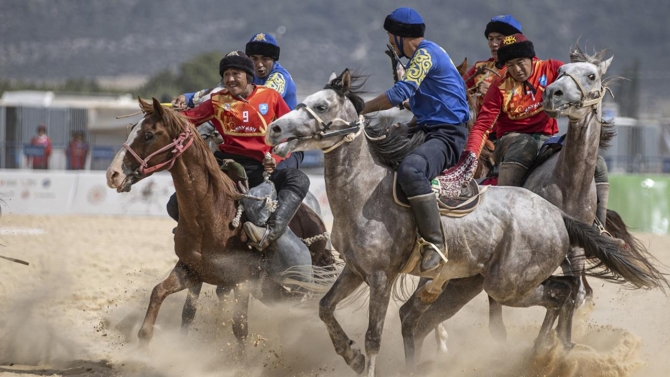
x=427, y=216
x=261, y=237
x=511, y=174
x=603, y=193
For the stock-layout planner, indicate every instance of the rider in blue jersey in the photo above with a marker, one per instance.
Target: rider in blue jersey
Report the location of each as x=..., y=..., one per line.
x=436, y=94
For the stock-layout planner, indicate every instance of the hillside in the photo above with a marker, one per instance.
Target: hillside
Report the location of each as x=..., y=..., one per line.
x=57, y=39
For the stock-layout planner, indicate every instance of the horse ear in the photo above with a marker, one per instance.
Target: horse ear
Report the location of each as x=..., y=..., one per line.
x=158, y=109
x=576, y=54
x=602, y=67
x=346, y=81
x=463, y=67
x=144, y=105
x=332, y=77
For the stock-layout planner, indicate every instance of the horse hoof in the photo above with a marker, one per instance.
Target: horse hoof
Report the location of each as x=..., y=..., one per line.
x=358, y=363
x=568, y=346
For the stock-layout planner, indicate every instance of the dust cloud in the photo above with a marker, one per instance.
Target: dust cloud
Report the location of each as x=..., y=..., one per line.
x=77, y=308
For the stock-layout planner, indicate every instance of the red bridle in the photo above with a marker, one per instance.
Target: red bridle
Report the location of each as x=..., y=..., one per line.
x=179, y=148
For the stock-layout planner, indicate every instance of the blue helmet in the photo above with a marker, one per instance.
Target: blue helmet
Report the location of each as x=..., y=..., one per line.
x=263, y=44
x=504, y=24
x=405, y=22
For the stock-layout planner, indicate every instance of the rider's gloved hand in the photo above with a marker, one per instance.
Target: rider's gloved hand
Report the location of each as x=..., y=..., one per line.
x=179, y=102
x=454, y=178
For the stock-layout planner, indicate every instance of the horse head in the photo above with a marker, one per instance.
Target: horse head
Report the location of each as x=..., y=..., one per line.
x=153, y=144
x=579, y=87
x=322, y=121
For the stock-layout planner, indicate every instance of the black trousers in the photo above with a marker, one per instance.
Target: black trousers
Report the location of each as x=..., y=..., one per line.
x=285, y=177
x=440, y=151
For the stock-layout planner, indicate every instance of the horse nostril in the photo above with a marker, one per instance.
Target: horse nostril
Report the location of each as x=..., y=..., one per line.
x=276, y=129
x=558, y=93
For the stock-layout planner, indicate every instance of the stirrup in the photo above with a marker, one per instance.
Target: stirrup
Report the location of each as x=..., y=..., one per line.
x=601, y=228
x=257, y=245
x=439, y=252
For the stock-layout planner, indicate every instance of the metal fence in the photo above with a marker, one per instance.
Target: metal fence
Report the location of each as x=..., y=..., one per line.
x=639, y=147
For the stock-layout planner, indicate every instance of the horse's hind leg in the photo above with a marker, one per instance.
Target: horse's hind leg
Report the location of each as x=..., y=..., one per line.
x=555, y=294
x=345, y=284
x=564, y=326
x=456, y=294
x=587, y=287
x=410, y=314
x=574, y=265
x=380, y=294
x=441, y=336
x=188, y=312
x=496, y=324
x=180, y=278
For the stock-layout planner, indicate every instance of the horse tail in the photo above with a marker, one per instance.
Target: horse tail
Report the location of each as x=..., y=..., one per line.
x=612, y=259
x=618, y=229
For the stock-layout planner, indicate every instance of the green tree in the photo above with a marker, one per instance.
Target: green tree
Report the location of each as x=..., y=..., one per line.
x=198, y=73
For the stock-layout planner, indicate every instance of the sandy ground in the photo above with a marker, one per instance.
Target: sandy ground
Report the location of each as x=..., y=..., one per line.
x=77, y=308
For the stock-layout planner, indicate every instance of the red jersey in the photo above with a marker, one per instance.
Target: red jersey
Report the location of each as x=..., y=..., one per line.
x=76, y=155
x=513, y=107
x=41, y=162
x=242, y=122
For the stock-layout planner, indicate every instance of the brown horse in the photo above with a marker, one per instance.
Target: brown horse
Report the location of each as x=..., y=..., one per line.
x=209, y=248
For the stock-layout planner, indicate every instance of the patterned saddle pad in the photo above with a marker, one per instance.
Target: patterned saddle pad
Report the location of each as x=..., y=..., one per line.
x=450, y=207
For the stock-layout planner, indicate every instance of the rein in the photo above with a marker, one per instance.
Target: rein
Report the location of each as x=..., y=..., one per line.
x=179, y=145
x=351, y=132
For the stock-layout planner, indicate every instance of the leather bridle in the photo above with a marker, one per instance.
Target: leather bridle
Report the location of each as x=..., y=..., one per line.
x=178, y=146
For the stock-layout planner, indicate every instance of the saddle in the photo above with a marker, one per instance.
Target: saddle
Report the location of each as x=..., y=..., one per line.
x=550, y=147
x=460, y=206
x=305, y=223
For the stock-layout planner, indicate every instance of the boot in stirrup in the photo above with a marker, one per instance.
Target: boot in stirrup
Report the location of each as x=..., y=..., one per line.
x=427, y=216
x=261, y=237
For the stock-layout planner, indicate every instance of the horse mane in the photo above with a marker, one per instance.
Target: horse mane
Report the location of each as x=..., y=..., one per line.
x=354, y=92
x=388, y=143
x=391, y=143
x=174, y=123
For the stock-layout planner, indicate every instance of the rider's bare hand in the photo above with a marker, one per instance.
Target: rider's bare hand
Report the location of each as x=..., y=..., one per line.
x=483, y=87
x=400, y=70
x=179, y=102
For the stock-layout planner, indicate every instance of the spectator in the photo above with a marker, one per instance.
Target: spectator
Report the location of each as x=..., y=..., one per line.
x=42, y=140
x=76, y=152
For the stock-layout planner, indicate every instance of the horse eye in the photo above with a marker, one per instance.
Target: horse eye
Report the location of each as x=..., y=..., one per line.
x=592, y=77
x=148, y=136
x=321, y=108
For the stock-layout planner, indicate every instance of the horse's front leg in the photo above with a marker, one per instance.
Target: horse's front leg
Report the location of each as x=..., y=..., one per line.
x=380, y=294
x=240, y=315
x=345, y=284
x=188, y=312
x=180, y=278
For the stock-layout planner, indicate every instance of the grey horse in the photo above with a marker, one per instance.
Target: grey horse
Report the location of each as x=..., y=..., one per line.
x=566, y=179
x=514, y=238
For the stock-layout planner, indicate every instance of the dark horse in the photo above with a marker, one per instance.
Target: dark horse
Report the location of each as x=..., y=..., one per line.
x=209, y=248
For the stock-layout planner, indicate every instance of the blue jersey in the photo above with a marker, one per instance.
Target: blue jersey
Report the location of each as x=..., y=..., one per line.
x=435, y=90
x=280, y=80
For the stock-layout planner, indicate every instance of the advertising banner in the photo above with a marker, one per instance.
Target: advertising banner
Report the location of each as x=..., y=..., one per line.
x=37, y=192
